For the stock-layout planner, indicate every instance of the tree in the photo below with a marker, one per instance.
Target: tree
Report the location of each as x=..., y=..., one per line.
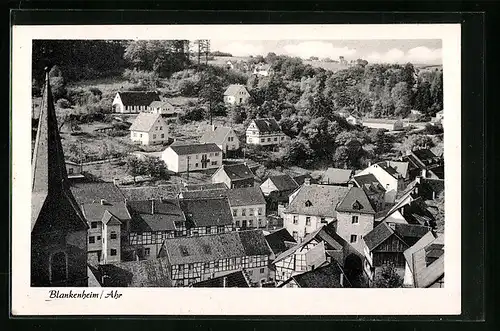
x=401, y=96
x=423, y=97
x=156, y=167
x=437, y=92
x=261, y=173
x=416, y=141
x=211, y=91
x=388, y=277
x=135, y=167
x=297, y=152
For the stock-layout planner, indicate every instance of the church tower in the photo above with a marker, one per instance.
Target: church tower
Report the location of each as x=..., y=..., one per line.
x=58, y=228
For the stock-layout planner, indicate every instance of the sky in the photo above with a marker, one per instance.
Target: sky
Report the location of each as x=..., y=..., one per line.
x=417, y=51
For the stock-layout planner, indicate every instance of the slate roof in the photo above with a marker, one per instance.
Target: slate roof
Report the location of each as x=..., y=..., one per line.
x=217, y=136
x=426, y=272
x=336, y=176
x=233, y=89
x=144, y=273
x=195, y=148
x=144, y=122
x=245, y=196
x=276, y=240
x=236, y=172
x=284, y=182
x=401, y=167
x=324, y=199
x=265, y=125
x=389, y=169
x=161, y=104
x=94, y=212
x=409, y=233
x=137, y=98
x=422, y=243
x=234, y=279
x=378, y=235
x=369, y=183
x=150, y=192
x=300, y=179
x=436, y=185
x=89, y=192
x=207, y=212
x=110, y=219
x=166, y=216
x=205, y=194
x=356, y=201
x=215, y=247
x=206, y=186
x=327, y=276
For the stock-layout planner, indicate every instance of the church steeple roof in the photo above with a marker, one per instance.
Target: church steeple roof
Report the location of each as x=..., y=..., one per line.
x=49, y=177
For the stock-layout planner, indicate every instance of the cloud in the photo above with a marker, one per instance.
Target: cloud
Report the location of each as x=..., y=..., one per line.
x=420, y=55
x=242, y=49
x=318, y=48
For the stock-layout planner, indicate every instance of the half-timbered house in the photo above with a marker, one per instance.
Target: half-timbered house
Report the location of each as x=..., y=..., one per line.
x=207, y=215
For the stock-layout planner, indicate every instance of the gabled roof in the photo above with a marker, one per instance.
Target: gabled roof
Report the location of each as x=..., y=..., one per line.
x=317, y=200
x=94, y=212
x=217, y=136
x=233, y=89
x=204, y=194
x=422, y=243
x=277, y=240
x=195, y=148
x=377, y=236
x=161, y=215
x=400, y=167
x=233, y=279
x=369, y=183
x=265, y=125
x=93, y=192
x=389, y=169
x=336, y=176
x=245, y=196
x=207, y=212
x=110, y=219
x=408, y=233
x=237, y=172
x=137, y=98
x=428, y=263
x=144, y=273
x=327, y=276
x=356, y=201
x=150, y=192
x=161, y=104
x=144, y=122
x=283, y=182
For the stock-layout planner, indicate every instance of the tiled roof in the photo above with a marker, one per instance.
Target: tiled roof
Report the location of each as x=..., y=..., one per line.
x=144, y=122
x=408, y=233
x=161, y=104
x=389, y=169
x=150, y=192
x=145, y=273
x=327, y=276
x=238, y=171
x=300, y=179
x=216, y=247
x=317, y=200
x=206, y=186
x=422, y=243
x=167, y=213
x=369, y=183
x=135, y=98
x=234, y=279
x=94, y=212
x=110, y=219
x=436, y=185
x=336, y=176
x=277, y=239
x=234, y=89
x=89, y=192
x=411, y=233
x=378, y=235
x=245, y=196
x=356, y=201
x=205, y=194
x=195, y=148
x=207, y=212
x=267, y=125
x=284, y=182
x=217, y=136
x=400, y=167
x=427, y=271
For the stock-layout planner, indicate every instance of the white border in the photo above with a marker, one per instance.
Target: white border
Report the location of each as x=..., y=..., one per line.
x=180, y=301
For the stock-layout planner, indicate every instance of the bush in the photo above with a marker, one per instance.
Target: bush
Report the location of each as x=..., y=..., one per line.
x=188, y=88
x=192, y=114
x=58, y=86
x=63, y=103
x=118, y=133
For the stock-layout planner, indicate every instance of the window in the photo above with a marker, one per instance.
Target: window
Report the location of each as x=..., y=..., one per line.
x=262, y=270
x=154, y=136
x=92, y=240
x=268, y=139
x=214, y=162
x=308, y=220
x=276, y=139
x=70, y=171
x=323, y=221
x=354, y=238
x=196, y=165
x=262, y=140
x=250, y=212
x=282, y=138
x=161, y=128
x=140, y=135
x=295, y=235
x=98, y=238
x=208, y=230
x=235, y=212
x=355, y=220
x=250, y=223
x=113, y=252
x=216, y=264
x=250, y=272
x=259, y=211
x=147, y=251
x=216, y=153
x=93, y=225
x=237, y=224
x=58, y=267
x=113, y=235
x=243, y=212
x=190, y=266
x=163, y=135
x=295, y=219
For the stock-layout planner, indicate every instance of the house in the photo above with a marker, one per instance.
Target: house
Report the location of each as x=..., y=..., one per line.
x=170, y=191
x=280, y=241
x=353, y=120
x=389, y=177
x=264, y=132
x=206, y=216
x=233, y=279
x=236, y=94
x=149, y=129
x=355, y=217
x=373, y=190
x=382, y=123
x=152, y=222
x=424, y=163
x=163, y=108
x=424, y=266
x=319, y=247
x=386, y=243
x=234, y=175
x=310, y=207
x=410, y=209
x=133, y=101
x=329, y=275
x=229, y=65
x=74, y=170
x=248, y=207
x=192, y=157
x=263, y=69
x=58, y=228
x=222, y=136
x=280, y=186
x=335, y=176
x=195, y=259
x=439, y=117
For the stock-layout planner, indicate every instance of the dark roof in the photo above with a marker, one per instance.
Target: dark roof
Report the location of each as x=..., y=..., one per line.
x=378, y=235
x=234, y=279
x=94, y=212
x=89, y=192
x=408, y=233
x=110, y=219
x=267, y=125
x=245, y=196
x=215, y=247
x=137, y=98
x=411, y=233
x=207, y=212
x=426, y=155
x=336, y=176
x=356, y=201
x=369, y=183
x=327, y=276
x=195, y=148
x=300, y=179
x=206, y=186
x=51, y=195
x=317, y=200
x=216, y=136
x=150, y=192
x=145, y=273
x=435, y=185
x=277, y=239
x=167, y=213
x=144, y=122
x=389, y=169
x=235, y=172
x=428, y=262
x=284, y=182
x=205, y=194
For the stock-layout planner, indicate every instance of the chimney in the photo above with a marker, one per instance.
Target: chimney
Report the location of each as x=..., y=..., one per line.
x=307, y=181
x=103, y=202
x=341, y=279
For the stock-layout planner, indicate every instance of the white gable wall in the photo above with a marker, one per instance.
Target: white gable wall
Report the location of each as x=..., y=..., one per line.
x=389, y=183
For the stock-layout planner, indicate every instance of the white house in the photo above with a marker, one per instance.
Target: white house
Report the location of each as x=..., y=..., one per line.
x=388, y=176
x=74, y=170
x=192, y=157
x=382, y=123
x=265, y=132
x=149, y=129
x=133, y=101
x=163, y=108
x=223, y=136
x=353, y=120
x=262, y=69
x=236, y=94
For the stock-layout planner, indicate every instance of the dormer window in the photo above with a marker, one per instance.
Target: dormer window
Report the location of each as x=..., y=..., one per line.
x=308, y=203
x=356, y=205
